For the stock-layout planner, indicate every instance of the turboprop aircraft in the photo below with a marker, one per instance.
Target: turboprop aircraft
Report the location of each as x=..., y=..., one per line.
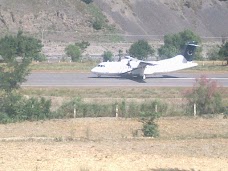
x=138, y=68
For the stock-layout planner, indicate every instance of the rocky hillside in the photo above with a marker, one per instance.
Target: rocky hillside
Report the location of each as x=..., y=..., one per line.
x=138, y=17
x=159, y=17
x=49, y=19
x=72, y=20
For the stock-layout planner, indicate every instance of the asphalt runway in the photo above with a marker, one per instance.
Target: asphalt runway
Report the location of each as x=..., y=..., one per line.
x=91, y=80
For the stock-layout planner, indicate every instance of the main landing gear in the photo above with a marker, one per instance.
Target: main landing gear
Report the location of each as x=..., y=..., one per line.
x=142, y=77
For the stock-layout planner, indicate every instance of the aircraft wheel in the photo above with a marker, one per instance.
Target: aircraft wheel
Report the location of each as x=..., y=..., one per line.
x=99, y=76
x=143, y=77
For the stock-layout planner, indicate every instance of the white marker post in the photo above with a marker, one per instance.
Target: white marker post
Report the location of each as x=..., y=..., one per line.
x=194, y=110
x=117, y=115
x=75, y=111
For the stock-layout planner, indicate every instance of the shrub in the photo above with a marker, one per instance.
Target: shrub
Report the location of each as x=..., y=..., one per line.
x=87, y=1
x=213, y=54
x=17, y=108
x=97, y=24
x=223, y=52
x=150, y=128
x=4, y=118
x=205, y=94
x=150, y=111
x=84, y=109
x=67, y=109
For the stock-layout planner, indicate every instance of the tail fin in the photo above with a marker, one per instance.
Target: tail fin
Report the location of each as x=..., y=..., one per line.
x=190, y=51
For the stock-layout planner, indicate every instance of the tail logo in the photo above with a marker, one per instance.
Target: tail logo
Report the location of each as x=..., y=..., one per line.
x=190, y=52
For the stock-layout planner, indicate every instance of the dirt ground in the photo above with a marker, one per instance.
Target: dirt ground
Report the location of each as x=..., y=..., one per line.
x=111, y=144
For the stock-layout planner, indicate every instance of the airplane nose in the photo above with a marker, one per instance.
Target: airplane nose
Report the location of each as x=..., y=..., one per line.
x=93, y=70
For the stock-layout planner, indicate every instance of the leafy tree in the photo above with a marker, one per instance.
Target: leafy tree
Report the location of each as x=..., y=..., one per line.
x=74, y=52
x=141, y=50
x=40, y=57
x=213, y=54
x=107, y=56
x=205, y=94
x=223, y=52
x=17, y=53
x=82, y=45
x=175, y=43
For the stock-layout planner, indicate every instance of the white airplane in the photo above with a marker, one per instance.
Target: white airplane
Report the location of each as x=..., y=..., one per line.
x=138, y=68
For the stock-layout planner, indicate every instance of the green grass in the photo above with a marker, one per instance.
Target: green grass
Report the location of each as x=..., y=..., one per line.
x=86, y=66
x=63, y=66
x=112, y=92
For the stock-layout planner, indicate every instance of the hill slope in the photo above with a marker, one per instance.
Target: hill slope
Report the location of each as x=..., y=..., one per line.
x=206, y=17
x=140, y=17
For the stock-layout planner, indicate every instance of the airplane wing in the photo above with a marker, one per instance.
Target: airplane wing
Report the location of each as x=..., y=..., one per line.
x=139, y=70
x=143, y=64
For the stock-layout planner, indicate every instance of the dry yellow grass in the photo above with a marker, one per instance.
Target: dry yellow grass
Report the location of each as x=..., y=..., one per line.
x=112, y=144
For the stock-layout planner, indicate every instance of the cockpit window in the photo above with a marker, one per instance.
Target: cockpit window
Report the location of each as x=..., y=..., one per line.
x=101, y=65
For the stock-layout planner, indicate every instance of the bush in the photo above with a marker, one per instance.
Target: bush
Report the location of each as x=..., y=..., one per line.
x=213, y=54
x=223, y=52
x=4, y=118
x=17, y=108
x=84, y=109
x=205, y=94
x=150, y=128
x=87, y=1
x=67, y=109
x=97, y=24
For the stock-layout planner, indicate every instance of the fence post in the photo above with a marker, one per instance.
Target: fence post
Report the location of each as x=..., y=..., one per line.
x=75, y=111
x=117, y=115
x=156, y=108
x=194, y=110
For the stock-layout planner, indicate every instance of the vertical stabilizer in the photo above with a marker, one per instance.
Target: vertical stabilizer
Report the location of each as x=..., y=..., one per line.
x=190, y=51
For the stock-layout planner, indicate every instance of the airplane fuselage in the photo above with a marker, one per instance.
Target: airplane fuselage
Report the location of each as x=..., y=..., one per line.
x=127, y=66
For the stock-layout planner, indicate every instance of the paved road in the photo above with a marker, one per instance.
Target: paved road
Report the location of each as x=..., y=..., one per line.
x=90, y=80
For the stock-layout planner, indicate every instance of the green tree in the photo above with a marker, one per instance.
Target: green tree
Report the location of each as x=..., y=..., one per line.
x=74, y=52
x=107, y=56
x=17, y=53
x=206, y=95
x=82, y=45
x=175, y=43
x=141, y=50
x=213, y=54
x=223, y=52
